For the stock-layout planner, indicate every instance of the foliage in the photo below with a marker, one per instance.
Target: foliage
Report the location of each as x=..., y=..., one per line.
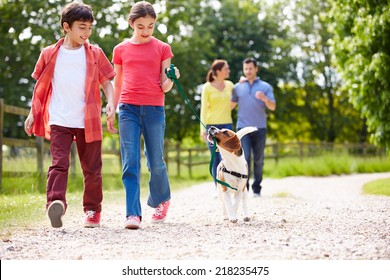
x=310, y=103
x=289, y=39
x=361, y=45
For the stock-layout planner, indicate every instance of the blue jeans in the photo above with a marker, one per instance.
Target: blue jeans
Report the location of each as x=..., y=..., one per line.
x=217, y=158
x=150, y=122
x=254, y=143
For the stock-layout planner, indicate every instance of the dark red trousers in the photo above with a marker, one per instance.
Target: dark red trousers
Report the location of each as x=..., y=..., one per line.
x=90, y=155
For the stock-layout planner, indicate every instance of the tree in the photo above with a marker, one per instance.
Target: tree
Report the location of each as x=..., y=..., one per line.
x=28, y=26
x=208, y=30
x=361, y=46
x=310, y=105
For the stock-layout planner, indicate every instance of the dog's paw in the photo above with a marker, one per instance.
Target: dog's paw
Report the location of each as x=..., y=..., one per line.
x=233, y=221
x=247, y=219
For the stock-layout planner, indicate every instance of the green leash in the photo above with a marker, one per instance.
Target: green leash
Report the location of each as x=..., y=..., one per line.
x=172, y=76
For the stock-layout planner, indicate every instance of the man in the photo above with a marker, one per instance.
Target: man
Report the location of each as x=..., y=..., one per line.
x=253, y=96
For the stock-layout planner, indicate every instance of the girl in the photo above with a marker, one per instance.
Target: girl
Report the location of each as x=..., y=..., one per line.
x=139, y=88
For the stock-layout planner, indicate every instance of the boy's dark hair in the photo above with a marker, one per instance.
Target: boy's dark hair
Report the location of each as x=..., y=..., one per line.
x=250, y=60
x=76, y=11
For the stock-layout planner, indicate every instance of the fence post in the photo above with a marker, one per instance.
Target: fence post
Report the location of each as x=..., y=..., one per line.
x=73, y=159
x=190, y=162
x=40, y=155
x=300, y=151
x=276, y=152
x=1, y=141
x=178, y=158
x=39, y=143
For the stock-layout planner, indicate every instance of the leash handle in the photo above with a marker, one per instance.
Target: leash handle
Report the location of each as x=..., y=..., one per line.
x=172, y=76
x=171, y=73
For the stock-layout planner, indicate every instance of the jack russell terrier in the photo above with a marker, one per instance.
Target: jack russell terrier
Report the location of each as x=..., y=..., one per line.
x=233, y=170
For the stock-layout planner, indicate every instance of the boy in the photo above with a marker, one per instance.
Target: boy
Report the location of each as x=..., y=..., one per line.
x=66, y=106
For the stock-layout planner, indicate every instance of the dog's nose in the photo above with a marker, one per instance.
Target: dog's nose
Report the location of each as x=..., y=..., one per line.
x=213, y=130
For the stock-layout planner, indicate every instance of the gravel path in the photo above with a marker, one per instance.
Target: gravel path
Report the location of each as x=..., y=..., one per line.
x=296, y=218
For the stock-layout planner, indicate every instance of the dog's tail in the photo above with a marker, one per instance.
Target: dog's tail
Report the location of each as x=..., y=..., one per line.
x=245, y=131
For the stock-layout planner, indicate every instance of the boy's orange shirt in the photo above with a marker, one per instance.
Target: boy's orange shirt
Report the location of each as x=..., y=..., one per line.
x=99, y=70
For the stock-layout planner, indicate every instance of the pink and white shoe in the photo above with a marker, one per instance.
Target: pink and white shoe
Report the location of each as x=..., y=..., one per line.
x=132, y=222
x=161, y=212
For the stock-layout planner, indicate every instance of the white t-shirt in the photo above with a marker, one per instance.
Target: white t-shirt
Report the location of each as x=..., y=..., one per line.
x=67, y=104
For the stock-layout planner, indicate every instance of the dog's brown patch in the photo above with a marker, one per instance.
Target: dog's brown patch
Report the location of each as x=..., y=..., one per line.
x=232, y=144
x=222, y=178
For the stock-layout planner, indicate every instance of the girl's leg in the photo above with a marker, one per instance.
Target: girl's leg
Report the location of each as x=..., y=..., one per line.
x=129, y=135
x=153, y=126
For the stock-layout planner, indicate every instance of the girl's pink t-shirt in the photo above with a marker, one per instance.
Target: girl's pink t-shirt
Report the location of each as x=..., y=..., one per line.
x=141, y=65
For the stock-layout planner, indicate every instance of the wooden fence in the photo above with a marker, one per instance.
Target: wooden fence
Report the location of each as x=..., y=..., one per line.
x=187, y=157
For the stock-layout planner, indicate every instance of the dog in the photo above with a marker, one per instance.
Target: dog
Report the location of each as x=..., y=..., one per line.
x=233, y=170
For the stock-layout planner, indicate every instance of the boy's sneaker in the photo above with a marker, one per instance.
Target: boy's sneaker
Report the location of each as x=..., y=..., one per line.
x=55, y=211
x=92, y=220
x=161, y=212
x=132, y=222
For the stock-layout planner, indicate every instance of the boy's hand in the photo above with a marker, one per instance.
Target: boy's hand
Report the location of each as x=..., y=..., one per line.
x=111, y=128
x=110, y=112
x=28, y=124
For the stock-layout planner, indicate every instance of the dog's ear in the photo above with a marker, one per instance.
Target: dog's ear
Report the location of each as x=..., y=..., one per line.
x=233, y=144
x=245, y=131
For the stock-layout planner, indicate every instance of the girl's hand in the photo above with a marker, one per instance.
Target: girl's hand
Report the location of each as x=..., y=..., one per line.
x=177, y=72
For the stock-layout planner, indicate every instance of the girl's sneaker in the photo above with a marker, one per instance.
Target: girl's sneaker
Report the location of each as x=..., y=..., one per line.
x=161, y=212
x=132, y=222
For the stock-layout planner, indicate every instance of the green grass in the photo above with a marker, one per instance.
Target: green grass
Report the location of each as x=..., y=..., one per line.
x=282, y=195
x=378, y=187
x=324, y=166
x=22, y=209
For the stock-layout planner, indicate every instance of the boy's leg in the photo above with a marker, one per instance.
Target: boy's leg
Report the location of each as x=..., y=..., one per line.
x=90, y=155
x=57, y=175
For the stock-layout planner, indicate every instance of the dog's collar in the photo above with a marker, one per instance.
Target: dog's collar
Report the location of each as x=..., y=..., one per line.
x=239, y=175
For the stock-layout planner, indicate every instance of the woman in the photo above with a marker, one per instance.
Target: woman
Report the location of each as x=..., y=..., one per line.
x=215, y=103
